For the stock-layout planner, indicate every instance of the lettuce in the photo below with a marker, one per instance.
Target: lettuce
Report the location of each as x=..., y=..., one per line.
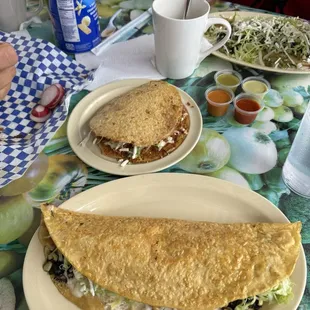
x=80, y=285
x=280, y=294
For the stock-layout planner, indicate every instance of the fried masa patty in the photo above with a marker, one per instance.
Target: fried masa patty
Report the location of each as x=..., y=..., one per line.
x=151, y=153
x=142, y=116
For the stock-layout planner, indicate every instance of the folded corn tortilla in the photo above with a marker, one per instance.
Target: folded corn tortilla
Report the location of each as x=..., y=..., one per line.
x=173, y=263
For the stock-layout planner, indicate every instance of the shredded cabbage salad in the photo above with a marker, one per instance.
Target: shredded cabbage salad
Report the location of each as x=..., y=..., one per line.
x=134, y=151
x=281, y=294
x=80, y=286
x=279, y=42
x=57, y=265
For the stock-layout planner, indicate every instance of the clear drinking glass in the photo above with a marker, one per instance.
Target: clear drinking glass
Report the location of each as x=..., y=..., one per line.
x=296, y=170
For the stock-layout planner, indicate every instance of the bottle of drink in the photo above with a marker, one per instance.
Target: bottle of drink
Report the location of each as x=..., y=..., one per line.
x=296, y=170
x=76, y=24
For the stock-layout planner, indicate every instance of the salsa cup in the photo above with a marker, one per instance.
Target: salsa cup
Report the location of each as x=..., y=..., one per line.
x=247, y=112
x=216, y=106
x=259, y=81
x=228, y=72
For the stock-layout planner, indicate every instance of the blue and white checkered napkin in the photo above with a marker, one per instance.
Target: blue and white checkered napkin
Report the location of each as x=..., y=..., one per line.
x=40, y=64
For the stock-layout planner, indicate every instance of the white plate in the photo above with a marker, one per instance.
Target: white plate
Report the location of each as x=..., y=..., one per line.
x=179, y=196
x=244, y=15
x=78, y=129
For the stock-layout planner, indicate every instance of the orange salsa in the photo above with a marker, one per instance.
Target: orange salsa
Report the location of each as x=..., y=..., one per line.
x=218, y=102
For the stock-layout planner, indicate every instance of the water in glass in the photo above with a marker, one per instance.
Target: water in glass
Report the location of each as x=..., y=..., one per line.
x=296, y=170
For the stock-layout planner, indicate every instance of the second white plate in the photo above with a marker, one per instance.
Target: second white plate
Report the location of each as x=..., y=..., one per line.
x=78, y=129
x=177, y=195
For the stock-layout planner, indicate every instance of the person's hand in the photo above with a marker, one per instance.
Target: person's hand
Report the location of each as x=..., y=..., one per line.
x=8, y=59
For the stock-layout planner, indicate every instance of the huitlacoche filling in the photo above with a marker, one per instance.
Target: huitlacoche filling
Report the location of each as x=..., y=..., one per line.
x=59, y=267
x=131, y=151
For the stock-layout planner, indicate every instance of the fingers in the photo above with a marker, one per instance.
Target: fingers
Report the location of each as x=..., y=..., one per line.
x=8, y=59
x=4, y=91
x=8, y=56
x=6, y=76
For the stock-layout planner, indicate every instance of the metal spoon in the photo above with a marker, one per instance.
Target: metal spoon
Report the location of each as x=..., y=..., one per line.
x=186, y=8
x=110, y=29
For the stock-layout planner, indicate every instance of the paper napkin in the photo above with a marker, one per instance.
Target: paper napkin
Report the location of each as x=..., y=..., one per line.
x=124, y=60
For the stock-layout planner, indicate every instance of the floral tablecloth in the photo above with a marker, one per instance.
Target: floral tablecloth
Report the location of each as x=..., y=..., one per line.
x=58, y=174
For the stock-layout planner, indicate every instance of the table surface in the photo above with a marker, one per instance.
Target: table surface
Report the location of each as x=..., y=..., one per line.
x=58, y=174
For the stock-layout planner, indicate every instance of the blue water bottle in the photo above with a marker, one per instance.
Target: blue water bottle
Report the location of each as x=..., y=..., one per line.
x=76, y=24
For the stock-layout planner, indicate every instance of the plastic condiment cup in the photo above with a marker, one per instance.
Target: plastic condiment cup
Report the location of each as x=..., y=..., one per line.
x=258, y=79
x=243, y=116
x=231, y=72
x=218, y=108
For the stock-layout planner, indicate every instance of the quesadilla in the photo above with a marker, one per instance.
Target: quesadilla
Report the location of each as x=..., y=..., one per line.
x=142, y=125
x=135, y=263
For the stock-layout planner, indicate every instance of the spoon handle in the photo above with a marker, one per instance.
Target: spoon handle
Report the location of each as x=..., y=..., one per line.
x=186, y=8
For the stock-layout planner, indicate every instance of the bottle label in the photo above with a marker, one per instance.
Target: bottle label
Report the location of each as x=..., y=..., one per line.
x=68, y=22
x=76, y=24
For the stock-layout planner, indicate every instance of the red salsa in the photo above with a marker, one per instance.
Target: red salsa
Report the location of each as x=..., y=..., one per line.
x=246, y=112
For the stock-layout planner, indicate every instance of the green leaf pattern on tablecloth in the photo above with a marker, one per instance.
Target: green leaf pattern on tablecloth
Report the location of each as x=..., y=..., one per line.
x=216, y=155
x=226, y=150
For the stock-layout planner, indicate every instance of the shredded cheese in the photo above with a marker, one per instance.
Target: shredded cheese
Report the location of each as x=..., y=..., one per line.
x=91, y=288
x=124, y=163
x=124, y=149
x=161, y=144
x=135, y=151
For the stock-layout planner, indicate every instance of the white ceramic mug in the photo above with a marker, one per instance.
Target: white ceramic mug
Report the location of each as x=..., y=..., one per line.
x=180, y=45
x=14, y=12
